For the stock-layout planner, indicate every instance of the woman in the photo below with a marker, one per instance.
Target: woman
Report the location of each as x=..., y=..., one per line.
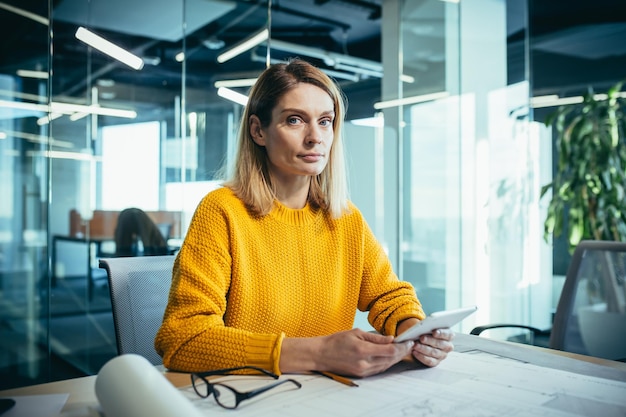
x=275, y=263
x=134, y=225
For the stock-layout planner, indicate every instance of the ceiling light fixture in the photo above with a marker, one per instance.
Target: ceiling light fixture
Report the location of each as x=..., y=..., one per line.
x=410, y=100
x=76, y=156
x=342, y=62
x=240, y=82
x=109, y=48
x=48, y=118
x=232, y=95
x=77, y=116
x=554, y=100
x=244, y=46
x=25, y=13
x=332, y=73
x=42, y=75
x=68, y=108
x=376, y=121
x=42, y=139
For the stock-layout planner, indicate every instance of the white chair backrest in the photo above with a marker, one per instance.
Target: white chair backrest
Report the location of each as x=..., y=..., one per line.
x=139, y=288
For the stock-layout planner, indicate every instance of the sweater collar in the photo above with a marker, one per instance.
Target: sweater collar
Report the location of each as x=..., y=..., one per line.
x=296, y=217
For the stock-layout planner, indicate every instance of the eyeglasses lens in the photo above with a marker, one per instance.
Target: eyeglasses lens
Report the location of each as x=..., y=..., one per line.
x=225, y=396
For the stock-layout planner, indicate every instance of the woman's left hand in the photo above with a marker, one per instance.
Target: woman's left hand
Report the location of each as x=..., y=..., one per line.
x=430, y=349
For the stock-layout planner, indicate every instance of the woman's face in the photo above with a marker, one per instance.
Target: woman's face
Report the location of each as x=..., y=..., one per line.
x=300, y=134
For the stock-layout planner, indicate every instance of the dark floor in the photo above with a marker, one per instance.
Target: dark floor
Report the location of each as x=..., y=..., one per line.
x=73, y=336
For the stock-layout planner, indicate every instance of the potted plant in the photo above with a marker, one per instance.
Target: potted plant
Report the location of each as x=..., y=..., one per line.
x=588, y=199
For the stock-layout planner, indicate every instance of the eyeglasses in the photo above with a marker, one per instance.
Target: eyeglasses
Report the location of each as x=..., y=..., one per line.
x=227, y=396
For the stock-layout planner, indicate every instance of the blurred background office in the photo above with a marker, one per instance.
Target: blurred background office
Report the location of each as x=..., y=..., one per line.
x=446, y=146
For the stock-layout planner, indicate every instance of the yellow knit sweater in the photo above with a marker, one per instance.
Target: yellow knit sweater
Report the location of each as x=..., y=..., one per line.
x=242, y=283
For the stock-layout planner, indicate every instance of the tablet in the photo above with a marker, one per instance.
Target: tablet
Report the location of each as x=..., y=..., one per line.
x=437, y=320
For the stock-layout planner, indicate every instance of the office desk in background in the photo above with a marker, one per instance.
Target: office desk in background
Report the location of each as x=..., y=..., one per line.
x=92, y=251
x=493, y=362
x=92, y=247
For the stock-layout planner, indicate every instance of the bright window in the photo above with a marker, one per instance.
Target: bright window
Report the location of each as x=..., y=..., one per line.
x=130, y=166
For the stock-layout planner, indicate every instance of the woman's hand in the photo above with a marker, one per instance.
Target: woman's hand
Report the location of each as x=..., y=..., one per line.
x=354, y=352
x=429, y=349
x=432, y=348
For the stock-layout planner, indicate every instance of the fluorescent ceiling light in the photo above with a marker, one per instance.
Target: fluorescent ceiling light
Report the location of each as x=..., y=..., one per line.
x=342, y=62
x=332, y=73
x=76, y=156
x=77, y=116
x=241, y=82
x=48, y=118
x=43, y=75
x=24, y=13
x=554, y=100
x=376, y=121
x=39, y=139
x=242, y=47
x=410, y=100
x=68, y=108
x=109, y=48
x=232, y=95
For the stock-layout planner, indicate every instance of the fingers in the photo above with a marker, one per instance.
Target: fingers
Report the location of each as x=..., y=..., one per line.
x=432, y=349
x=383, y=359
x=375, y=337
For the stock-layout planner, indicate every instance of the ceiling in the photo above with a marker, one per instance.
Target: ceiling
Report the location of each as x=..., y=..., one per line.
x=573, y=43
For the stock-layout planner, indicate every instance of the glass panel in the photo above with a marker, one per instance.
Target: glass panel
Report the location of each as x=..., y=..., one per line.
x=24, y=144
x=114, y=130
x=470, y=162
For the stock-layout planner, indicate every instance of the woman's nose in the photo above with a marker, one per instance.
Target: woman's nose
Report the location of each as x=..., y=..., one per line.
x=314, y=135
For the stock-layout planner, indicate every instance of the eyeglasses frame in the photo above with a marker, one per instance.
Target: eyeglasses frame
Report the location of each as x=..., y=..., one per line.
x=239, y=396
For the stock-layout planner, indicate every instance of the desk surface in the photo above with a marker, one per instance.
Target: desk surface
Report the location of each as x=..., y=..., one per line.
x=82, y=400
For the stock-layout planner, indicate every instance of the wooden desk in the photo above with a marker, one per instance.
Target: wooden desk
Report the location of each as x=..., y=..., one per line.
x=82, y=395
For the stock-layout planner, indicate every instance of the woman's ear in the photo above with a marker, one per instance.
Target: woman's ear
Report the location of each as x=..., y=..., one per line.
x=256, y=130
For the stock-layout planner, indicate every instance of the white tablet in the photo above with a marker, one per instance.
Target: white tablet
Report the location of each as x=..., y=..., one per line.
x=437, y=320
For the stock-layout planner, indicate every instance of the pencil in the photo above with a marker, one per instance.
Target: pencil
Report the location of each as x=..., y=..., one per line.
x=338, y=378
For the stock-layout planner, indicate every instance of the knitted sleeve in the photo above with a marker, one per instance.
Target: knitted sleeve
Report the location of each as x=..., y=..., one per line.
x=192, y=336
x=388, y=299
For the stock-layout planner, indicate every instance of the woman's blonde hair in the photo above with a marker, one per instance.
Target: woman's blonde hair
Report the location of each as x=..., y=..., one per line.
x=251, y=180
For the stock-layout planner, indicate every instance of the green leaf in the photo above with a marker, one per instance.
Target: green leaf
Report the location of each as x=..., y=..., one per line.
x=545, y=189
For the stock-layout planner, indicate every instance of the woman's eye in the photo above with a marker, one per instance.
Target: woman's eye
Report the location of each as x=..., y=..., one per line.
x=326, y=122
x=293, y=120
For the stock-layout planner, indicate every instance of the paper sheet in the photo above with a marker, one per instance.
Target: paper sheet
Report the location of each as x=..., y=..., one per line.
x=463, y=385
x=49, y=405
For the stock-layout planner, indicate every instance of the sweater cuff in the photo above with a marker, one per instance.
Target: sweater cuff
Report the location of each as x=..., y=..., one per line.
x=391, y=324
x=263, y=351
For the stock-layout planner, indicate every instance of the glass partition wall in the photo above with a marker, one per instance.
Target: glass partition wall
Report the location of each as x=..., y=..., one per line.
x=471, y=161
x=89, y=146
x=444, y=162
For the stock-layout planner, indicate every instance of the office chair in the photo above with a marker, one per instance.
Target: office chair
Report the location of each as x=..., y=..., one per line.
x=139, y=288
x=590, y=318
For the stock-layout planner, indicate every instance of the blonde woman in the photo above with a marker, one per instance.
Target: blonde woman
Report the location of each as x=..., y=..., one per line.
x=276, y=263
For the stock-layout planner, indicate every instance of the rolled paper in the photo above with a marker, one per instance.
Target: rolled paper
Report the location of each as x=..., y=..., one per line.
x=130, y=386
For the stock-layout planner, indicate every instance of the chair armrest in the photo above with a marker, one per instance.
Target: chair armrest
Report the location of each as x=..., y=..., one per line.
x=535, y=331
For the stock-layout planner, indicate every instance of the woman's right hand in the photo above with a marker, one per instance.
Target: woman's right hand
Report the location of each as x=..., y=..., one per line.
x=353, y=352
